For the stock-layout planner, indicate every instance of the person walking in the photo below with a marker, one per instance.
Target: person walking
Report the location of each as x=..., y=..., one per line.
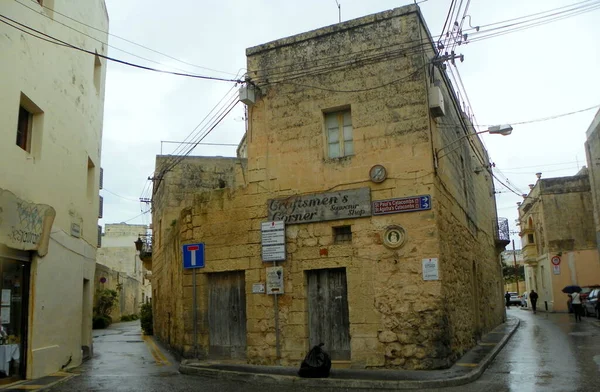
x=576, y=303
x=533, y=297
x=507, y=298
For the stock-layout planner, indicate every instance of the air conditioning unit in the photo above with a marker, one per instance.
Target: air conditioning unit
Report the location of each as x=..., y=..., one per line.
x=436, y=102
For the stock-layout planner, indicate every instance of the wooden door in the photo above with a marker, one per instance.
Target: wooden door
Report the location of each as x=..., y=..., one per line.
x=328, y=311
x=227, y=315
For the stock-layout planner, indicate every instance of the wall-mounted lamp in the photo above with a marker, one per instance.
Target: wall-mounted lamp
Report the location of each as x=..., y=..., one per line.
x=503, y=130
x=138, y=244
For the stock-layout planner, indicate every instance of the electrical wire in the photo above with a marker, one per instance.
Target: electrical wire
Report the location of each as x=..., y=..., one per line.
x=66, y=44
x=122, y=197
x=197, y=132
x=137, y=216
x=541, y=119
x=305, y=65
x=123, y=39
x=179, y=149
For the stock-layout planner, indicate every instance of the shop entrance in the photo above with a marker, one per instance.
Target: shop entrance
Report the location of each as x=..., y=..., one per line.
x=14, y=290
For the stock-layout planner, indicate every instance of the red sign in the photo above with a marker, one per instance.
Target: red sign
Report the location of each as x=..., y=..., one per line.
x=555, y=260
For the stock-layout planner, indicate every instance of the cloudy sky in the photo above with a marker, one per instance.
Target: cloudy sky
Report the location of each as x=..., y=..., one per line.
x=526, y=75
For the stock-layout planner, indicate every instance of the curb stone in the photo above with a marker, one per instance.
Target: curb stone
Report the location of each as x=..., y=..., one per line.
x=187, y=367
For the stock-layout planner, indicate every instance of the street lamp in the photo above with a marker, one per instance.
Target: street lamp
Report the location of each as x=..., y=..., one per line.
x=138, y=244
x=503, y=130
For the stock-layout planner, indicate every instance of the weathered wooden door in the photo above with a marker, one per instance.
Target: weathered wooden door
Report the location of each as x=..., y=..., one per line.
x=328, y=311
x=227, y=315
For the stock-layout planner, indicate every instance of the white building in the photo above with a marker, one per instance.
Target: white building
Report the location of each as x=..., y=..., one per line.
x=51, y=109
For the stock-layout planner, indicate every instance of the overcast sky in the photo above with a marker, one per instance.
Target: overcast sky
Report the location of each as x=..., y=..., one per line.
x=531, y=74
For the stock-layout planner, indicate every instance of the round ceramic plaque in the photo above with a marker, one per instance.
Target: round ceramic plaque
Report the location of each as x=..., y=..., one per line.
x=394, y=236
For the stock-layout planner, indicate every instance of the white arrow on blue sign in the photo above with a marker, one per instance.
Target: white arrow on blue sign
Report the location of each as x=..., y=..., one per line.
x=193, y=255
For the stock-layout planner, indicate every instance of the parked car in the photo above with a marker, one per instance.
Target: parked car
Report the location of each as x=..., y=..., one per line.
x=591, y=305
x=514, y=298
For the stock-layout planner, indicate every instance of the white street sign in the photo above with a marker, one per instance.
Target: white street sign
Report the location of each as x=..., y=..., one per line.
x=430, y=269
x=273, y=241
x=275, y=280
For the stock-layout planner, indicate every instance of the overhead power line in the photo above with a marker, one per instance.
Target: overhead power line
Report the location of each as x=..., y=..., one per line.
x=116, y=36
x=59, y=42
x=541, y=119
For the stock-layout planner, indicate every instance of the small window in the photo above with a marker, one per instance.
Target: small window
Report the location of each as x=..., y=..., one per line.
x=338, y=126
x=91, y=180
x=24, y=129
x=530, y=239
x=98, y=73
x=342, y=234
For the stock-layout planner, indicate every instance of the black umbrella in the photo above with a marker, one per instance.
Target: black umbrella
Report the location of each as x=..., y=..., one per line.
x=572, y=289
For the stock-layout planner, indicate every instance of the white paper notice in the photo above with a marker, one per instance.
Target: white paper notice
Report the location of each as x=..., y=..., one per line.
x=430, y=269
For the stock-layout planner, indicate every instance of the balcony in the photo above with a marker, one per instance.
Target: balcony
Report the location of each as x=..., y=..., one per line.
x=502, y=233
x=530, y=253
x=144, y=247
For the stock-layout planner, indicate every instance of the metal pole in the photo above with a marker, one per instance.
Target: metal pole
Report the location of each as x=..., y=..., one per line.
x=276, y=306
x=195, y=313
x=516, y=270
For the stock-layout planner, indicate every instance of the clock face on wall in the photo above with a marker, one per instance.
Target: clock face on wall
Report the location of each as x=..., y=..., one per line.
x=378, y=173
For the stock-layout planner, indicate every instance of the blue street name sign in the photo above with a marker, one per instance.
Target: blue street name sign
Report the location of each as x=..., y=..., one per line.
x=193, y=256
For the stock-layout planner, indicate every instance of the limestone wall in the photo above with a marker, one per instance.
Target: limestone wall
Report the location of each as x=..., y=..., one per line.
x=128, y=289
x=397, y=320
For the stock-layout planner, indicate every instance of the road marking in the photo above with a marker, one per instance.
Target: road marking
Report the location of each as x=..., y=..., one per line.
x=29, y=387
x=487, y=344
x=159, y=357
x=467, y=364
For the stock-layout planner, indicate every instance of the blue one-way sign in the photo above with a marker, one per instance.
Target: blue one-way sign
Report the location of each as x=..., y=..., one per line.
x=193, y=255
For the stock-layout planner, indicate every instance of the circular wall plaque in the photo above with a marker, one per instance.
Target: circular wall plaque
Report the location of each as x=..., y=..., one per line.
x=378, y=173
x=394, y=236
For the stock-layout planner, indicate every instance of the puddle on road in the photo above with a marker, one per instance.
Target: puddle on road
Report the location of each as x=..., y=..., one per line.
x=581, y=333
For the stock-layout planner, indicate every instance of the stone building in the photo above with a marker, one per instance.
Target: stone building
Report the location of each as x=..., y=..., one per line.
x=118, y=267
x=558, y=238
x=358, y=143
x=592, y=152
x=51, y=116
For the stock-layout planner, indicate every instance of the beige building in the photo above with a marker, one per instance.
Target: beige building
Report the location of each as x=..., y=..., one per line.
x=358, y=144
x=592, y=151
x=51, y=109
x=558, y=239
x=118, y=267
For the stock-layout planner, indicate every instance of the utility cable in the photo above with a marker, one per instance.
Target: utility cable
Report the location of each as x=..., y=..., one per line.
x=66, y=44
x=125, y=39
x=96, y=39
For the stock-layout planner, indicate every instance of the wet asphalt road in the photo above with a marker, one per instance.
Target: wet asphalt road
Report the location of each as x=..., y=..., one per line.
x=549, y=352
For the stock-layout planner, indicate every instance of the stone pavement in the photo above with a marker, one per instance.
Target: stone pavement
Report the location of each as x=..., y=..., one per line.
x=469, y=368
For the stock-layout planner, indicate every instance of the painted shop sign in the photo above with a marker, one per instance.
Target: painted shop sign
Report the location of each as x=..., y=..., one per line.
x=402, y=204
x=23, y=225
x=353, y=203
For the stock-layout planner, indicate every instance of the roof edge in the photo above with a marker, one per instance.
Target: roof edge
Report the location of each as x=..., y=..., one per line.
x=335, y=28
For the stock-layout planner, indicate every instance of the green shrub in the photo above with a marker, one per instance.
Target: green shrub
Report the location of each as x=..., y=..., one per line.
x=101, y=322
x=106, y=300
x=135, y=317
x=146, y=319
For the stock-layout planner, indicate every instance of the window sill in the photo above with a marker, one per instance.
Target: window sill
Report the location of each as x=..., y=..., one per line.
x=343, y=159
